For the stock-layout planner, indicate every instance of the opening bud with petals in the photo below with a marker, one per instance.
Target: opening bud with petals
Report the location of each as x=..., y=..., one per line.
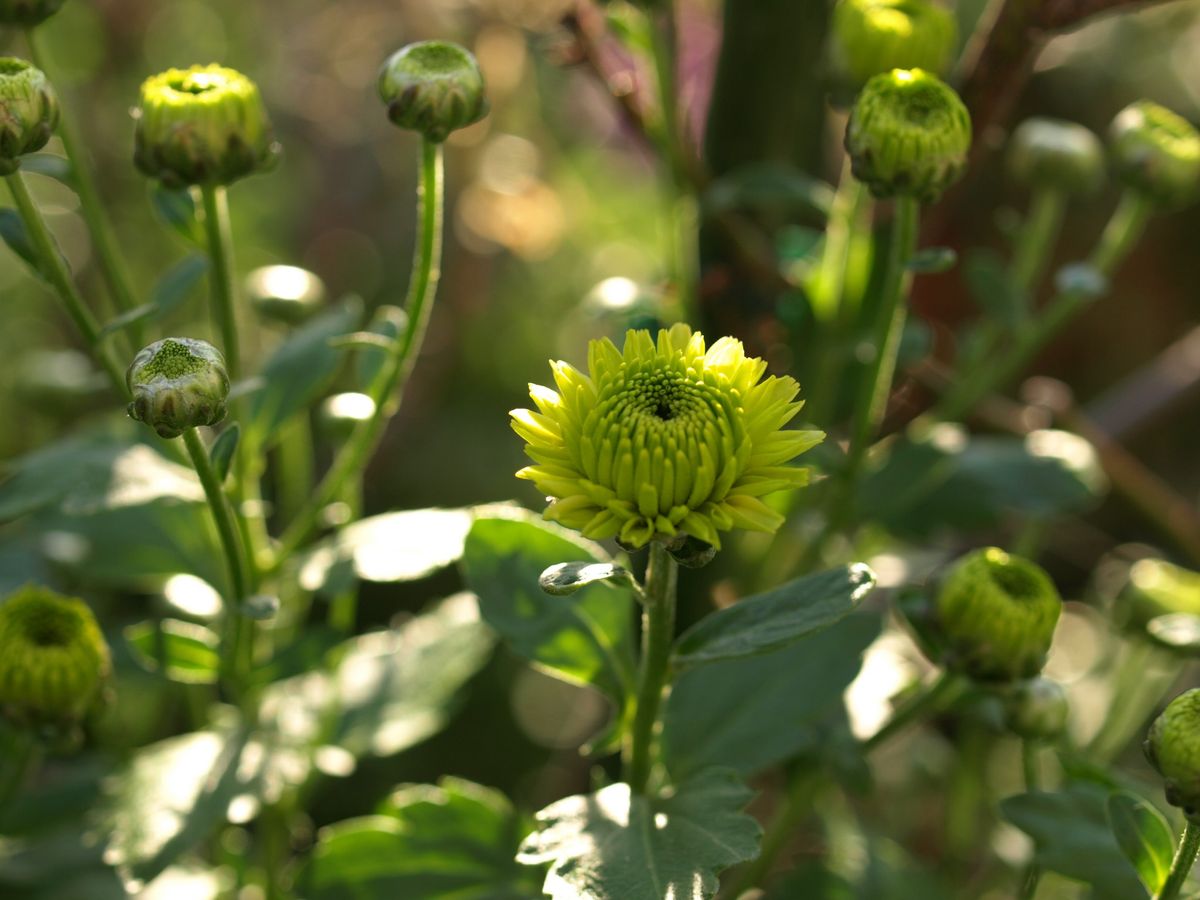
x=434, y=87
x=28, y=112
x=177, y=384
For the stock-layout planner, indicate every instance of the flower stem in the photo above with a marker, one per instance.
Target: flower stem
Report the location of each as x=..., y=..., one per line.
x=21, y=753
x=238, y=653
x=1038, y=235
x=53, y=268
x=385, y=391
x=658, y=629
x=1181, y=867
x=939, y=695
x=1032, y=874
x=108, y=254
x=221, y=280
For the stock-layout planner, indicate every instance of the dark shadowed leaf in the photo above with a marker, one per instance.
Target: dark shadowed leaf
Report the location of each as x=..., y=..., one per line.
x=177, y=208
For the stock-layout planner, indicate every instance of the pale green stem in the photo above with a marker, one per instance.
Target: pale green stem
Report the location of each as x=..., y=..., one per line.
x=221, y=278
x=294, y=466
x=1141, y=681
x=54, y=269
x=1181, y=866
x=1032, y=873
x=658, y=630
x=353, y=455
x=1036, y=241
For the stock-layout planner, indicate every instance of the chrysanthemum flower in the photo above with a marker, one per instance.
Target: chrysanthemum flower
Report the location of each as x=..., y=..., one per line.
x=663, y=439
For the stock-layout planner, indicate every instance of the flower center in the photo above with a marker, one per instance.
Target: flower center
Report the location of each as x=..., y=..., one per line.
x=50, y=628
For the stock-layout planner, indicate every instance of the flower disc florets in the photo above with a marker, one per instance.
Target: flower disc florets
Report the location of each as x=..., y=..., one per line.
x=28, y=112
x=202, y=126
x=53, y=658
x=663, y=439
x=434, y=87
x=1173, y=748
x=1050, y=154
x=873, y=36
x=27, y=12
x=908, y=134
x=1156, y=152
x=177, y=384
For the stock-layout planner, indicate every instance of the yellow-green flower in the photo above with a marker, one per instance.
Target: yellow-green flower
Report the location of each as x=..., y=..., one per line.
x=663, y=439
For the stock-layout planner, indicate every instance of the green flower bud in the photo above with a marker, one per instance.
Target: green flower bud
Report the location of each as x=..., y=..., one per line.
x=1037, y=708
x=1157, y=588
x=1156, y=152
x=53, y=658
x=908, y=134
x=1055, y=155
x=24, y=13
x=874, y=36
x=997, y=613
x=285, y=294
x=1173, y=748
x=433, y=87
x=177, y=384
x=202, y=126
x=340, y=414
x=28, y=112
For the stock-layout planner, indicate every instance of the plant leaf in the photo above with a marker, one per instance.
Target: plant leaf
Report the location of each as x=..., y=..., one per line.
x=563, y=579
x=12, y=230
x=1143, y=836
x=990, y=282
x=177, y=283
x=614, y=845
x=183, y=651
x=932, y=260
x=177, y=208
x=51, y=165
x=223, y=450
x=773, y=620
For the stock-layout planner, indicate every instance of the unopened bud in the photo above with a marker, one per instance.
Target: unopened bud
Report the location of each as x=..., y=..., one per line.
x=1156, y=153
x=874, y=36
x=286, y=294
x=28, y=112
x=1037, y=708
x=177, y=384
x=434, y=87
x=1173, y=748
x=1051, y=154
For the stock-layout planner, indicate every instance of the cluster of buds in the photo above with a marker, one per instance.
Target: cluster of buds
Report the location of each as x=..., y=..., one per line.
x=28, y=112
x=177, y=384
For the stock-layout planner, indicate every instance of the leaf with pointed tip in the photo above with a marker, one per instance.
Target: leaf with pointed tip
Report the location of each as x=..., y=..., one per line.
x=13, y=232
x=177, y=208
x=1143, y=836
x=183, y=651
x=563, y=579
x=51, y=165
x=176, y=284
x=223, y=450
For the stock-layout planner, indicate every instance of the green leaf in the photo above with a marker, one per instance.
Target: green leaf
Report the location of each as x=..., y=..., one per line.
x=747, y=714
x=12, y=230
x=50, y=165
x=768, y=187
x=563, y=579
x=141, y=313
x=1072, y=837
x=586, y=638
x=223, y=449
x=176, y=284
x=455, y=841
x=388, y=323
x=614, y=845
x=1143, y=836
x=992, y=287
x=178, y=210
x=297, y=372
x=775, y=619
x=183, y=651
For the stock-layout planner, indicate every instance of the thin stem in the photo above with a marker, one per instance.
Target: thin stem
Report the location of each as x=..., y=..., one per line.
x=221, y=280
x=20, y=757
x=238, y=651
x=939, y=695
x=54, y=269
x=1141, y=680
x=353, y=455
x=1032, y=873
x=1036, y=241
x=1181, y=867
x=294, y=466
x=108, y=253
x=657, y=631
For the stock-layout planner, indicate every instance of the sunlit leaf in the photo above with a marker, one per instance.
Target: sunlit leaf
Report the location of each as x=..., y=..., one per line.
x=183, y=651
x=566, y=578
x=1143, y=836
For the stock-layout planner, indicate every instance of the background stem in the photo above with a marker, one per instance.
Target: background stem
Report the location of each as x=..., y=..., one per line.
x=221, y=279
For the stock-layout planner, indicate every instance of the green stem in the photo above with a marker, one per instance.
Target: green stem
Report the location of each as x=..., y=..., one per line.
x=939, y=695
x=1036, y=241
x=658, y=629
x=53, y=268
x=1181, y=867
x=353, y=455
x=1144, y=675
x=1032, y=873
x=294, y=466
x=238, y=654
x=108, y=253
x=221, y=279
x=20, y=757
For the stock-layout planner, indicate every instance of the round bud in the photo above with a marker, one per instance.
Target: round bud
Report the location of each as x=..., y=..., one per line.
x=1157, y=588
x=25, y=13
x=874, y=36
x=286, y=294
x=340, y=414
x=202, y=126
x=177, y=384
x=1037, y=708
x=433, y=87
x=908, y=134
x=1056, y=155
x=1156, y=152
x=28, y=112
x=997, y=613
x=53, y=658
x=1173, y=748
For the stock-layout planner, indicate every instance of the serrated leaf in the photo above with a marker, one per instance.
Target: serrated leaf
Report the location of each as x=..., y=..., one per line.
x=586, y=638
x=563, y=579
x=182, y=651
x=177, y=208
x=773, y=620
x=1143, y=836
x=223, y=450
x=12, y=230
x=455, y=841
x=51, y=165
x=614, y=845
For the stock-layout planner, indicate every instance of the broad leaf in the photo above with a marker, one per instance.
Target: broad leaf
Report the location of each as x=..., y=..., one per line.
x=177, y=208
x=182, y=651
x=773, y=620
x=51, y=165
x=455, y=841
x=613, y=845
x=753, y=712
x=586, y=638
x=1143, y=836
x=223, y=449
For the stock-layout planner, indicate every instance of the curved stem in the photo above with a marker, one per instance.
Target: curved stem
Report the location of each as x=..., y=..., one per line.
x=221, y=279
x=53, y=268
x=658, y=629
x=108, y=253
x=939, y=695
x=1181, y=867
x=353, y=455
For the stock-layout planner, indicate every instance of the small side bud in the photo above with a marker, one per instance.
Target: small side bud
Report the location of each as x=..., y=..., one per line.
x=206, y=125
x=286, y=294
x=28, y=112
x=53, y=658
x=1053, y=154
x=27, y=13
x=434, y=87
x=997, y=613
x=908, y=134
x=874, y=36
x=1036, y=709
x=1173, y=749
x=177, y=384
x=1156, y=152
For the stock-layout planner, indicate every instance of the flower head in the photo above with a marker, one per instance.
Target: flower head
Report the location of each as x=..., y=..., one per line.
x=27, y=12
x=1051, y=154
x=873, y=36
x=28, y=112
x=1156, y=152
x=1173, y=748
x=53, y=658
x=434, y=87
x=177, y=384
x=1037, y=708
x=663, y=439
